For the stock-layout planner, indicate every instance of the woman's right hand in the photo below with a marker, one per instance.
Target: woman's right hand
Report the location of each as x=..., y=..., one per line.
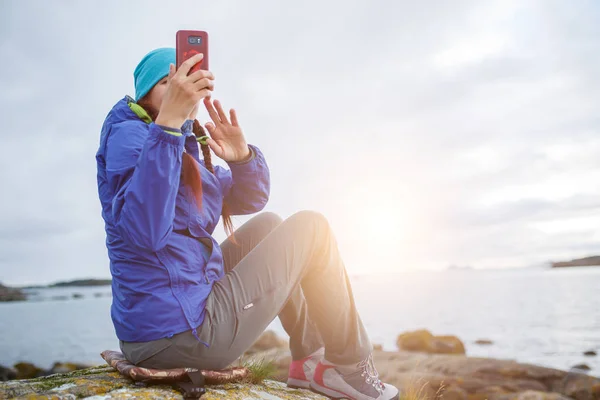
x=184, y=92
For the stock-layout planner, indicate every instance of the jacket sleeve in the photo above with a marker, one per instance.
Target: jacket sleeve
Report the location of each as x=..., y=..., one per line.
x=246, y=186
x=143, y=167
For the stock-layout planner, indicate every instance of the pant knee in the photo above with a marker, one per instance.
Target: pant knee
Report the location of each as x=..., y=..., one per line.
x=310, y=218
x=269, y=218
x=263, y=223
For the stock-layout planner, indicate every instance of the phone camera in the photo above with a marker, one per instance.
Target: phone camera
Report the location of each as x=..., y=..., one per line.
x=195, y=40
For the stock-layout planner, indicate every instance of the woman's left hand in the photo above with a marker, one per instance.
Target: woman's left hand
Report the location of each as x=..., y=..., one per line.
x=226, y=138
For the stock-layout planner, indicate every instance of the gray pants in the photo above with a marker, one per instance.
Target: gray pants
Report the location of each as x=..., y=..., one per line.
x=291, y=269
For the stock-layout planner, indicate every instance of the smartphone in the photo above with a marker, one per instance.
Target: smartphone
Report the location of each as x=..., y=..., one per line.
x=190, y=43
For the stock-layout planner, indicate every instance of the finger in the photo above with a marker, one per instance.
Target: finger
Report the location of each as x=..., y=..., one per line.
x=211, y=110
x=210, y=127
x=185, y=67
x=222, y=115
x=200, y=74
x=233, y=115
x=203, y=94
x=204, y=84
x=172, y=71
x=215, y=147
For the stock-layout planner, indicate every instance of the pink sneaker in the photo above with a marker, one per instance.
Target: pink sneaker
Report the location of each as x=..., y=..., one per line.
x=302, y=371
x=359, y=382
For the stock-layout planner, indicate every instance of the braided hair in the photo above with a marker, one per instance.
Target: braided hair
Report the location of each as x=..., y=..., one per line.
x=191, y=172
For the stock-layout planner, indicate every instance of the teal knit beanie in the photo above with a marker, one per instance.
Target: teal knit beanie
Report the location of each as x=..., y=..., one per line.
x=153, y=67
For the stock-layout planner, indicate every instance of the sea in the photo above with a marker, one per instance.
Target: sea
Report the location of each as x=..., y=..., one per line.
x=548, y=317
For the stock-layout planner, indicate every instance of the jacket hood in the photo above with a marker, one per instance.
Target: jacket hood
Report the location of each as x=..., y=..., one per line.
x=120, y=112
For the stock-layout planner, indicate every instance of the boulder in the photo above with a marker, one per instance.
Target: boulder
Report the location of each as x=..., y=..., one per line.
x=377, y=347
x=484, y=342
x=424, y=376
x=11, y=294
x=578, y=386
x=589, y=353
x=425, y=342
x=7, y=374
x=27, y=370
x=103, y=382
x=61, y=368
x=582, y=367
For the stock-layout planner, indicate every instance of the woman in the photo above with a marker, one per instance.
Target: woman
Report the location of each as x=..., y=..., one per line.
x=182, y=299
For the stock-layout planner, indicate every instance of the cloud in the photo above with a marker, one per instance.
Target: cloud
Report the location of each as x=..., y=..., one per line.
x=428, y=133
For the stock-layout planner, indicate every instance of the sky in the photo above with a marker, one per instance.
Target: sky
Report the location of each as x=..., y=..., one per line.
x=429, y=133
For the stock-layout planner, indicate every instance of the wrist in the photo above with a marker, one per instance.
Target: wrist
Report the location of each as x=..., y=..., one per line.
x=169, y=121
x=249, y=156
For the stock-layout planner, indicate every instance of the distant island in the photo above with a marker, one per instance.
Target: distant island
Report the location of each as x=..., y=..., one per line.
x=23, y=293
x=82, y=282
x=76, y=282
x=580, y=262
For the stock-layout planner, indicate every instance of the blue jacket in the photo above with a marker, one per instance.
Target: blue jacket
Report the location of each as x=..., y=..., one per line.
x=163, y=258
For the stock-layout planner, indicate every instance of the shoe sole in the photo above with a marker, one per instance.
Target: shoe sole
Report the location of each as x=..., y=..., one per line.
x=334, y=394
x=298, y=383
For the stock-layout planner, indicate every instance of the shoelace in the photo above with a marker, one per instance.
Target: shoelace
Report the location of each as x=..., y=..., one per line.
x=370, y=374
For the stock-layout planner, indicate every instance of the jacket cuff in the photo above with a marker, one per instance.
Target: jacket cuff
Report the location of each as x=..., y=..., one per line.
x=161, y=133
x=170, y=131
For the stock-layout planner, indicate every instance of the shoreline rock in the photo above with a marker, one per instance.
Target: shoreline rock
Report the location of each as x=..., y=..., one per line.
x=25, y=370
x=424, y=341
x=459, y=377
x=11, y=294
x=582, y=367
x=422, y=376
x=104, y=382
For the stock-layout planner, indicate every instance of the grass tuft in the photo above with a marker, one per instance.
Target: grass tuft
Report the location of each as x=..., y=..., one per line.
x=260, y=369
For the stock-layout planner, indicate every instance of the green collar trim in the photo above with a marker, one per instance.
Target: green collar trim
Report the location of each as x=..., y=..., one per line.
x=143, y=115
x=140, y=112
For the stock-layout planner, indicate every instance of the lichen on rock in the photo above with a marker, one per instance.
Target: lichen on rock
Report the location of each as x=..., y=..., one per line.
x=103, y=382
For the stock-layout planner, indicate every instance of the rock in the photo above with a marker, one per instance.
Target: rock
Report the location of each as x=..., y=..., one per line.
x=578, y=386
x=531, y=395
x=447, y=345
x=98, y=295
x=11, y=294
x=268, y=340
x=27, y=370
x=582, y=367
x=103, y=382
x=589, y=353
x=484, y=342
x=7, y=374
x=61, y=368
x=425, y=376
x=453, y=393
x=61, y=297
x=424, y=341
x=77, y=296
x=377, y=347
